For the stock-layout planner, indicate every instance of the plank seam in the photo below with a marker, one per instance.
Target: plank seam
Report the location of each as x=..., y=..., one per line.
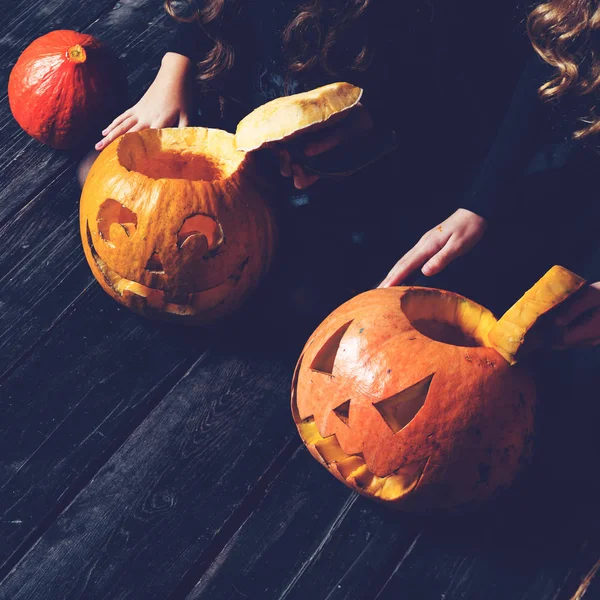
x=334, y=527
x=235, y=521
x=153, y=398
x=72, y=160
x=397, y=567
x=63, y=314
x=38, y=192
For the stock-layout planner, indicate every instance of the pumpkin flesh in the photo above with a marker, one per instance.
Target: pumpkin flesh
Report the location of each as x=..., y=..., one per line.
x=175, y=223
x=514, y=333
x=285, y=118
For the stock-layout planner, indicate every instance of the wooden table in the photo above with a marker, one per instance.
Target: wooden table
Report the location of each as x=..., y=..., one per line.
x=140, y=461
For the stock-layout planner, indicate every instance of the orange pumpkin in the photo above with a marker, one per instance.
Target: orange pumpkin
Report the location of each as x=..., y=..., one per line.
x=176, y=223
x=63, y=86
x=403, y=396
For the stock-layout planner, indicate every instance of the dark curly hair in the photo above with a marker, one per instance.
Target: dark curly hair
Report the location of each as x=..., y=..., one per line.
x=566, y=34
x=329, y=35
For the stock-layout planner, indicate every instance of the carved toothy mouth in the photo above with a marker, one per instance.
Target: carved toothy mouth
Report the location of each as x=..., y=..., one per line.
x=352, y=468
x=159, y=300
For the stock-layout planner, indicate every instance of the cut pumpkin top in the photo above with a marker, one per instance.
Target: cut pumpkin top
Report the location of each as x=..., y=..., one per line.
x=283, y=118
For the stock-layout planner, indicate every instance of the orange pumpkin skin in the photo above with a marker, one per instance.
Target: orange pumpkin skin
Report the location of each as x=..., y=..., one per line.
x=458, y=435
x=175, y=223
x=64, y=85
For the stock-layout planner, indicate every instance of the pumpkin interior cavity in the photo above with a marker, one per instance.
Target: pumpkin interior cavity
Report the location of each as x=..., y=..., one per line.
x=343, y=412
x=447, y=318
x=325, y=358
x=401, y=408
x=201, y=225
x=192, y=154
x=114, y=219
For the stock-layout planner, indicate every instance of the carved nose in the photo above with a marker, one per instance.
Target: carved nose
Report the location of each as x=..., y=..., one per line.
x=154, y=264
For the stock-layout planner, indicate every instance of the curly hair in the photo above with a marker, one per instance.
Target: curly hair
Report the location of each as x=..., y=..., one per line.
x=566, y=34
x=323, y=34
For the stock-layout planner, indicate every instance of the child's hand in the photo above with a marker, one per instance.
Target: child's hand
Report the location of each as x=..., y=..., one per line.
x=580, y=321
x=357, y=122
x=165, y=104
x=439, y=246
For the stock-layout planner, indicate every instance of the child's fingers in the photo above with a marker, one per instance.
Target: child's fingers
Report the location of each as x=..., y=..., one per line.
x=285, y=163
x=438, y=262
x=138, y=127
x=328, y=142
x=584, y=333
x=184, y=120
x=302, y=180
x=117, y=121
x=412, y=260
x=582, y=303
x=116, y=132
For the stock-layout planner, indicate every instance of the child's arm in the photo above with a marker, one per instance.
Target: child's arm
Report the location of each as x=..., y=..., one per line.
x=165, y=104
x=516, y=143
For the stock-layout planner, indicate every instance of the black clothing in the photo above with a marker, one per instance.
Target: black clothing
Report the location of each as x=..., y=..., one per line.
x=338, y=236
x=534, y=137
x=535, y=186
x=538, y=190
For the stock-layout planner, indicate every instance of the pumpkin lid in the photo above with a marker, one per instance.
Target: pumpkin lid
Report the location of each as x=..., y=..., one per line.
x=283, y=118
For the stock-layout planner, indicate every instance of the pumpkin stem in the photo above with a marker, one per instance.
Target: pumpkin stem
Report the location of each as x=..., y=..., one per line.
x=76, y=54
x=514, y=334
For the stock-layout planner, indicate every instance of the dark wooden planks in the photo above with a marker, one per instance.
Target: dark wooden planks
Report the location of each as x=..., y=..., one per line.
x=22, y=156
x=443, y=566
x=72, y=399
x=26, y=20
x=42, y=267
x=536, y=543
x=540, y=541
x=366, y=551
x=309, y=538
x=39, y=246
x=159, y=502
x=138, y=31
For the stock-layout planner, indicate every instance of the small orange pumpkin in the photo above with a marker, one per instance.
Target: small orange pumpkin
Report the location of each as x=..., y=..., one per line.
x=63, y=86
x=408, y=396
x=176, y=223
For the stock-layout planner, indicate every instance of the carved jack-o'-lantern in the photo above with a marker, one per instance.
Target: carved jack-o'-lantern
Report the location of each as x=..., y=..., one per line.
x=175, y=223
x=408, y=395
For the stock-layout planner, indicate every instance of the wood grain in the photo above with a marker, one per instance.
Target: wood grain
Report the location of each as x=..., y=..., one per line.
x=74, y=398
x=309, y=538
x=137, y=30
x=161, y=499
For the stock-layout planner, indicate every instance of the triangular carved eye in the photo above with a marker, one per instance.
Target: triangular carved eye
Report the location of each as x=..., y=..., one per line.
x=401, y=408
x=325, y=357
x=343, y=412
